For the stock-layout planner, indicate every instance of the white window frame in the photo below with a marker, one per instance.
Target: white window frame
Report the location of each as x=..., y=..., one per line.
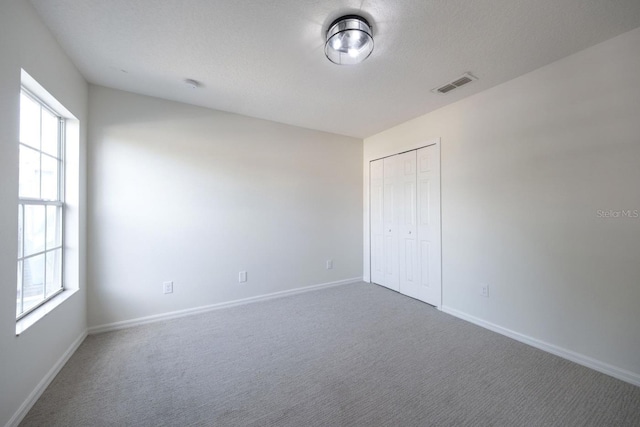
x=22, y=202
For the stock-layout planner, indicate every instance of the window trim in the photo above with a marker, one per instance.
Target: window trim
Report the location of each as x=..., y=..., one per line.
x=60, y=202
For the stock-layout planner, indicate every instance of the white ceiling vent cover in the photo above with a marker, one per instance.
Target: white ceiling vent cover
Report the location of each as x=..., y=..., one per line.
x=454, y=84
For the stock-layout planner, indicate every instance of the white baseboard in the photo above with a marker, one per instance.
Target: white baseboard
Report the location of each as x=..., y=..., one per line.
x=605, y=368
x=44, y=383
x=203, y=309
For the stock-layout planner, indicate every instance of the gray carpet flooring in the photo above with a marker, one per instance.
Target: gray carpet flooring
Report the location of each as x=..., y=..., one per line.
x=354, y=355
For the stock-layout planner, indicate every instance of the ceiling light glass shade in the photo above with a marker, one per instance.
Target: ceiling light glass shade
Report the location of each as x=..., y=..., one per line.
x=349, y=40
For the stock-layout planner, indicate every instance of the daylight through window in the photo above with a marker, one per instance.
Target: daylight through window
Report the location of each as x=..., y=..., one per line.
x=40, y=206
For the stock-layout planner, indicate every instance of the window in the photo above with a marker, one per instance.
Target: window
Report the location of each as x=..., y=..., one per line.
x=40, y=205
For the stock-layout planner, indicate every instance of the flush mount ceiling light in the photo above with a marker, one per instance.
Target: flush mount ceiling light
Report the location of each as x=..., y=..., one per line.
x=349, y=40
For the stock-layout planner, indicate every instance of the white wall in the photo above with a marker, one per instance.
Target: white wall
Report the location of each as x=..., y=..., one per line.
x=190, y=195
x=25, y=360
x=525, y=168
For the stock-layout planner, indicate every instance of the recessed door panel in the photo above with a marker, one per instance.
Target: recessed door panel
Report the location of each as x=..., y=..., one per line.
x=409, y=211
x=424, y=264
x=409, y=248
x=377, y=260
x=425, y=195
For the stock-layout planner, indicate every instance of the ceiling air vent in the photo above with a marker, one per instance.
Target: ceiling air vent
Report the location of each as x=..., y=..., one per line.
x=460, y=81
x=446, y=88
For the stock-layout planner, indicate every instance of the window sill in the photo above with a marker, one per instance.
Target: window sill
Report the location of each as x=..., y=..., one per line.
x=30, y=319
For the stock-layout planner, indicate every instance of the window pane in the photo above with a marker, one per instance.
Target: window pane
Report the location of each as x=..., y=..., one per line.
x=29, y=121
x=29, y=185
x=39, y=226
x=49, y=178
x=33, y=289
x=20, y=227
x=54, y=226
x=54, y=271
x=19, y=294
x=49, y=133
x=33, y=229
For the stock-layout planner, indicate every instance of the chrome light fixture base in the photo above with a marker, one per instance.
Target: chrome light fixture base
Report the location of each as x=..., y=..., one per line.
x=349, y=40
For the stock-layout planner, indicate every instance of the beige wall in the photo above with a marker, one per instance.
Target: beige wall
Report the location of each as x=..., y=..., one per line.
x=191, y=195
x=526, y=168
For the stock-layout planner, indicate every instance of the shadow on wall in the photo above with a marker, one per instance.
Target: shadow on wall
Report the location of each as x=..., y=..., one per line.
x=199, y=194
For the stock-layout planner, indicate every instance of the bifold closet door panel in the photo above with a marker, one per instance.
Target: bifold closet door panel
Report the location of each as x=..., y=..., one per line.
x=429, y=255
x=407, y=224
x=376, y=174
x=390, y=222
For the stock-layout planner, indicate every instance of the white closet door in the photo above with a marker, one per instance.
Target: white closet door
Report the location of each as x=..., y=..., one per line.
x=376, y=169
x=429, y=252
x=407, y=228
x=390, y=222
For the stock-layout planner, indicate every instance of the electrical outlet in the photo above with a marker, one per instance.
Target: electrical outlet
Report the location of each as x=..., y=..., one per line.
x=167, y=287
x=329, y=264
x=242, y=276
x=484, y=290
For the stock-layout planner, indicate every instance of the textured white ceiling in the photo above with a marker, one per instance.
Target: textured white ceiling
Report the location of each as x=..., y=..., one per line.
x=265, y=58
